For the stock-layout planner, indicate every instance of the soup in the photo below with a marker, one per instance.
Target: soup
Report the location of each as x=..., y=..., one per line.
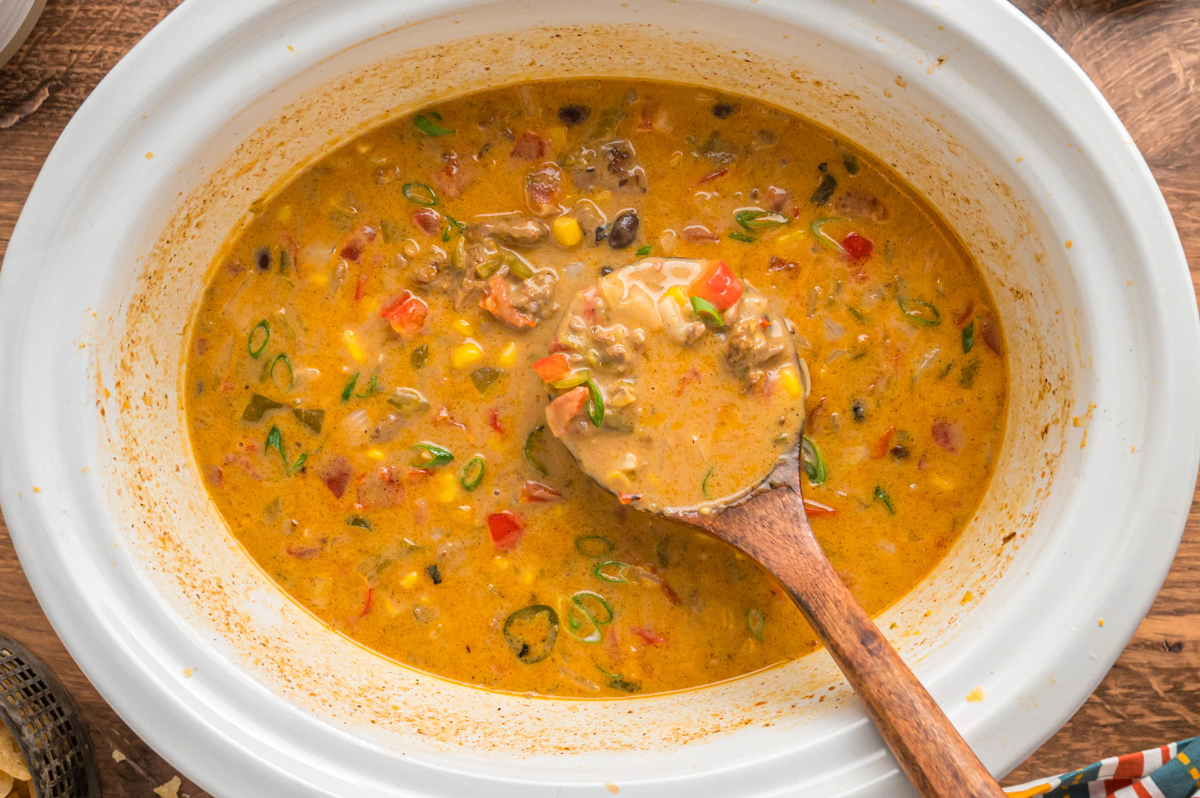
x=363, y=404
x=679, y=387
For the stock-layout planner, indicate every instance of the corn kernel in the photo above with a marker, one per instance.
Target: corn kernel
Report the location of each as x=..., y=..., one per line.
x=320, y=279
x=463, y=326
x=446, y=487
x=527, y=576
x=375, y=454
x=941, y=482
x=557, y=135
x=602, y=196
x=566, y=231
x=409, y=581
x=790, y=382
x=356, y=351
x=500, y=563
x=508, y=355
x=676, y=293
x=465, y=355
x=788, y=239
x=285, y=213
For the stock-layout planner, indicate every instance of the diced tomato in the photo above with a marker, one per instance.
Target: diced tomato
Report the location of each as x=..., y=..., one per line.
x=336, y=475
x=498, y=302
x=880, y=449
x=560, y=412
x=537, y=493
x=505, y=529
x=357, y=242
x=367, y=603
x=416, y=475
x=628, y=498
x=717, y=175
x=303, y=552
x=989, y=331
x=494, y=420
x=964, y=317
x=857, y=247
x=651, y=637
x=812, y=508
x=358, y=289
x=552, y=368
x=529, y=146
x=429, y=220
x=406, y=315
x=718, y=285
x=949, y=435
x=543, y=188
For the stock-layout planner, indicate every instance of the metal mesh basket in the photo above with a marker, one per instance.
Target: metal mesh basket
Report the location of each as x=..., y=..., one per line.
x=36, y=708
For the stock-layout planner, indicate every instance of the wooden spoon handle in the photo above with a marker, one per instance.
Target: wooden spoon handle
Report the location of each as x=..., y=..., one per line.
x=774, y=529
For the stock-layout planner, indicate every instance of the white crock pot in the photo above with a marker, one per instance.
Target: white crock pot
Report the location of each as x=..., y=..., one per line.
x=250, y=696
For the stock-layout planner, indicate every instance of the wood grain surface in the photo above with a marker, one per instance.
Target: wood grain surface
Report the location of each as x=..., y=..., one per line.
x=1143, y=54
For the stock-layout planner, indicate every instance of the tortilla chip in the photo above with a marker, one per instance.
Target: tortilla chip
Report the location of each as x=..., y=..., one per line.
x=6, y=783
x=11, y=761
x=168, y=790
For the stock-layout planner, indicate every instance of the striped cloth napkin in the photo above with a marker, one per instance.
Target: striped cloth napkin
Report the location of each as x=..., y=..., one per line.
x=1172, y=771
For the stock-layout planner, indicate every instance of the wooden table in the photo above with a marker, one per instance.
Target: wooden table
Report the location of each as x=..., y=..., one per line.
x=1143, y=54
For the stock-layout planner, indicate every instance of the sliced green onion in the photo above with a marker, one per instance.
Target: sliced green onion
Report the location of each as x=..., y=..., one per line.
x=531, y=444
x=756, y=623
x=606, y=673
x=578, y=601
x=472, y=473
x=573, y=624
x=704, y=484
x=485, y=377
x=371, y=389
x=754, y=219
x=523, y=633
x=262, y=337
x=745, y=239
x=823, y=238
x=920, y=312
x=418, y=357
x=882, y=495
x=431, y=128
x=275, y=441
x=594, y=546
x=360, y=522
x=348, y=391
x=643, y=251
x=968, y=337
x=595, y=403
x=707, y=312
x=259, y=406
x=812, y=461
x=285, y=261
x=601, y=571
x=277, y=378
x=433, y=456
x=419, y=194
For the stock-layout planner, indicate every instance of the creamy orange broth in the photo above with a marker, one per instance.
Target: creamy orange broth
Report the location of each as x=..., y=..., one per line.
x=524, y=575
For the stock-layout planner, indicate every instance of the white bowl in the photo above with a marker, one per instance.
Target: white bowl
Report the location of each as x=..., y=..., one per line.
x=251, y=696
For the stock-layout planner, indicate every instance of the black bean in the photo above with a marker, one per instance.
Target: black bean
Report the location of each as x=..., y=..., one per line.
x=723, y=110
x=900, y=452
x=601, y=233
x=572, y=115
x=262, y=258
x=606, y=270
x=824, y=191
x=860, y=410
x=624, y=230
x=434, y=574
x=823, y=167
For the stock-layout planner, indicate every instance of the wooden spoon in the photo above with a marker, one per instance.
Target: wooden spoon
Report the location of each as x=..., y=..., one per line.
x=773, y=528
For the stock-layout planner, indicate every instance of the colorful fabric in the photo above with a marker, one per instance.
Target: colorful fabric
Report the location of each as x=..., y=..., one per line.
x=1172, y=771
